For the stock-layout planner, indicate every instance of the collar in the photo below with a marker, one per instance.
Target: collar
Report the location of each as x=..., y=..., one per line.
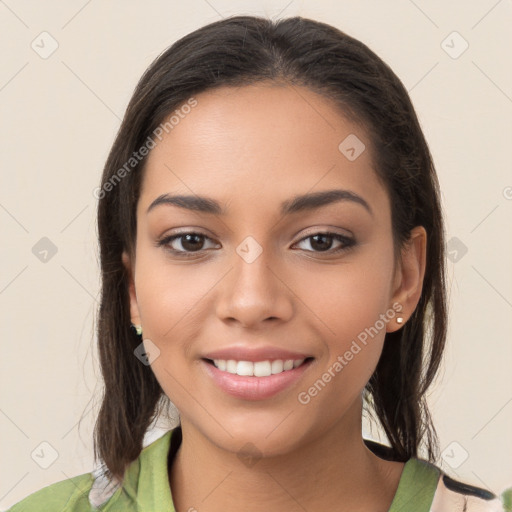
x=146, y=480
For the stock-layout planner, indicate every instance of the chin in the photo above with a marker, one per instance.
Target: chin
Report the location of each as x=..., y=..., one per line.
x=262, y=435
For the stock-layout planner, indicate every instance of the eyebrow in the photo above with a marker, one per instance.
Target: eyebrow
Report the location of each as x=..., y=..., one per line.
x=294, y=205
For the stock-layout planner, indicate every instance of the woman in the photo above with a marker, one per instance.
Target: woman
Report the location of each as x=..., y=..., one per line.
x=272, y=256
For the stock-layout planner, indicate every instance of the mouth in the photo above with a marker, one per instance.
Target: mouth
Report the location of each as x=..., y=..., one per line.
x=255, y=380
x=264, y=368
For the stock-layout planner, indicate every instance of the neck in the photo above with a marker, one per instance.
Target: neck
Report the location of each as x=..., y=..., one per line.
x=335, y=472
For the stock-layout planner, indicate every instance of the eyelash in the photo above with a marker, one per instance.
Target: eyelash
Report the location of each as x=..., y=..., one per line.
x=348, y=242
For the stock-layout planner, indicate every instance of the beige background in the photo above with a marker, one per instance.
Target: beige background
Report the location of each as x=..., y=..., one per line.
x=59, y=116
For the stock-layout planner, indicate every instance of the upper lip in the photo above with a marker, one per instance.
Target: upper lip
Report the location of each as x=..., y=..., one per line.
x=240, y=353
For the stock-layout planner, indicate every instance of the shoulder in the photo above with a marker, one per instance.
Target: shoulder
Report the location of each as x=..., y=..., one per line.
x=426, y=487
x=145, y=478
x=70, y=494
x=452, y=495
x=81, y=493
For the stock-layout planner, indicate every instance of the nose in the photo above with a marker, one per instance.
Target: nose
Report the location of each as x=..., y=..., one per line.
x=252, y=294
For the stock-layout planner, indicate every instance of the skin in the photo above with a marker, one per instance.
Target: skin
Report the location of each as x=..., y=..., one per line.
x=251, y=148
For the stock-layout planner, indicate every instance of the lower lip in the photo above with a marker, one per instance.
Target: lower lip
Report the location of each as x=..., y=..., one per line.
x=254, y=388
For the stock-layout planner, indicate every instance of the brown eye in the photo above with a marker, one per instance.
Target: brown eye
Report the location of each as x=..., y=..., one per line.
x=323, y=242
x=184, y=244
x=192, y=242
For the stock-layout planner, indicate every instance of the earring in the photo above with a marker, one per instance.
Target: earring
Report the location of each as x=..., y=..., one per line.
x=399, y=320
x=138, y=329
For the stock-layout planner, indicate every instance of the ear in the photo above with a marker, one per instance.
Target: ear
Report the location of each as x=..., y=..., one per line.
x=408, y=279
x=134, y=307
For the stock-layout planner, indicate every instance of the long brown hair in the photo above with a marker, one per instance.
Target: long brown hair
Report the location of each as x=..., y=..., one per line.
x=244, y=50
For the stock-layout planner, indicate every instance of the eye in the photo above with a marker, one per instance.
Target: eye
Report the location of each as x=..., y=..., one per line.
x=184, y=243
x=323, y=241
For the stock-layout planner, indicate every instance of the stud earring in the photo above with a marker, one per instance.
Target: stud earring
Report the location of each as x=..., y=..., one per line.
x=399, y=320
x=138, y=329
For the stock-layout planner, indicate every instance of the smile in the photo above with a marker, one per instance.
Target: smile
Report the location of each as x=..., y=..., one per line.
x=255, y=380
x=257, y=368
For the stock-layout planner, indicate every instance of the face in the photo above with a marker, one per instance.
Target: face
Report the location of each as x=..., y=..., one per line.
x=268, y=309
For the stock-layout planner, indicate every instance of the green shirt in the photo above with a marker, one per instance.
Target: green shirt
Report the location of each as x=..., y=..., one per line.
x=146, y=487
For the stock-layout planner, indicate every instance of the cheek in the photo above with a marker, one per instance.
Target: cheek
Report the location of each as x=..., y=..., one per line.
x=350, y=309
x=348, y=298
x=170, y=302
x=169, y=296
x=350, y=302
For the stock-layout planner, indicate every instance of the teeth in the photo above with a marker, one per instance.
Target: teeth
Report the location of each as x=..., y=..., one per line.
x=245, y=368
x=288, y=364
x=262, y=369
x=257, y=369
x=277, y=366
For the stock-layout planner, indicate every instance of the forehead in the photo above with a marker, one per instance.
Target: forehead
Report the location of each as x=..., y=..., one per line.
x=252, y=146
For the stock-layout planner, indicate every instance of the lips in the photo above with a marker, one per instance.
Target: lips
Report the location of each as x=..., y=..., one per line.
x=255, y=374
